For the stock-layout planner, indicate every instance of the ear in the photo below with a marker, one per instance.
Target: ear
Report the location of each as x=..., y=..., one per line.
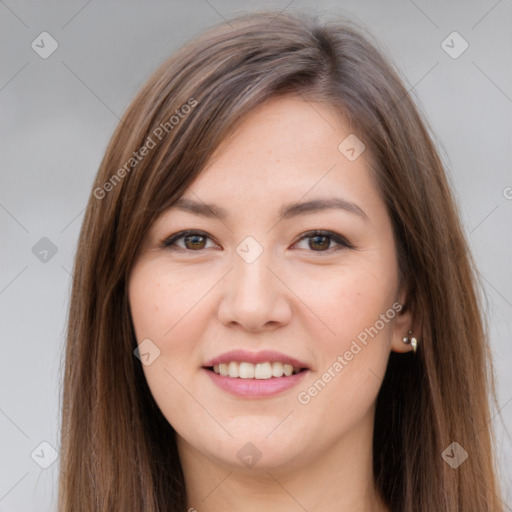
x=404, y=322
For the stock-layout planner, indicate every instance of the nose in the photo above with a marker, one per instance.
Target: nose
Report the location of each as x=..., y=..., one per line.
x=254, y=296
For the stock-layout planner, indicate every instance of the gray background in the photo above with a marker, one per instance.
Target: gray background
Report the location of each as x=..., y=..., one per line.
x=57, y=115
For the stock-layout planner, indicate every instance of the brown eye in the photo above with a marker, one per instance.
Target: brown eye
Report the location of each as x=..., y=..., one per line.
x=193, y=241
x=320, y=241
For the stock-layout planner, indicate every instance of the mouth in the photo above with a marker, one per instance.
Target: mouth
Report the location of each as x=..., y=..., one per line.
x=251, y=375
x=260, y=371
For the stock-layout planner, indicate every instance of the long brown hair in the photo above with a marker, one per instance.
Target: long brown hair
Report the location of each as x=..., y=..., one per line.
x=118, y=452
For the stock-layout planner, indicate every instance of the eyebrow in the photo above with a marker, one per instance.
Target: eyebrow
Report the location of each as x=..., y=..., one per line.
x=287, y=211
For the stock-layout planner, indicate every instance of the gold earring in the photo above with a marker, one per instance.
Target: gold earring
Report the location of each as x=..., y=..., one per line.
x=412, y=341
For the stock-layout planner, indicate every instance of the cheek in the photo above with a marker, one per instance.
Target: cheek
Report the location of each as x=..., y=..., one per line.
x=165, y=311
x=349, y=302
x=354, y=331
x=162, y=301
x=170, y=308
x=352, y=337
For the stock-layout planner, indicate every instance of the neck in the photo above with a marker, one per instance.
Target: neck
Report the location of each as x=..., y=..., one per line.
x=339, y=479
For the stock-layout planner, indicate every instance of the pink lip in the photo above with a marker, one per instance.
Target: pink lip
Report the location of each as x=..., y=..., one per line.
x=255, y=357
x=255, y=388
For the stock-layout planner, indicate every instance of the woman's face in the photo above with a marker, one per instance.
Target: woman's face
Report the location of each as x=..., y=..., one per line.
x=256, y=286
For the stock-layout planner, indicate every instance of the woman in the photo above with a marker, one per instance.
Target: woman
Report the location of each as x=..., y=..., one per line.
x=273, y=301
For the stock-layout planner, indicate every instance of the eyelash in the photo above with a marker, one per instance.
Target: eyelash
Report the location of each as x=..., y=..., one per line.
x=170, y=242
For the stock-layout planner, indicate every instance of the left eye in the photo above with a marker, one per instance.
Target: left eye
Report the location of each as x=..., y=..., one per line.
x=195, y=241
x=320, y=241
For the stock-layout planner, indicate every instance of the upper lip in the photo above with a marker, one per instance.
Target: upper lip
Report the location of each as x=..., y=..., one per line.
x=255, y=357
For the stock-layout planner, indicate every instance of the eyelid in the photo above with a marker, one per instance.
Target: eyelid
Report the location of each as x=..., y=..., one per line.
x=335, y=237
x=170, y=242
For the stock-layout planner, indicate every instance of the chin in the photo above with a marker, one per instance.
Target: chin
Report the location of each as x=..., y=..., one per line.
x=254, y=451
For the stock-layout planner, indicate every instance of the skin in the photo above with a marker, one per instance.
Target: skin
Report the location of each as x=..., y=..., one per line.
x=307, y=300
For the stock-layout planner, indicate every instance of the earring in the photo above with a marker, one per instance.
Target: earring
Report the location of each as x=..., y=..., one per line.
x=412, y=341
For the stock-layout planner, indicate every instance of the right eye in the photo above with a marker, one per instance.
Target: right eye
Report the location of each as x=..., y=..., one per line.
x=194, y=241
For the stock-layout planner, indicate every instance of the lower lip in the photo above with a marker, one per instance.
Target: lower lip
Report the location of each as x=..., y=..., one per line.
x=255, y=388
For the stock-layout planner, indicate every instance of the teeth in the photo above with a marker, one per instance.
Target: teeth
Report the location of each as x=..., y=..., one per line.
x=263, y=371
x=244, y=370
x=277, y=369
x=233, y=370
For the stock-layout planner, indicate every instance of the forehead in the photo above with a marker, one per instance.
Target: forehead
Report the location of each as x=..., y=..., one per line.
x=286, y=149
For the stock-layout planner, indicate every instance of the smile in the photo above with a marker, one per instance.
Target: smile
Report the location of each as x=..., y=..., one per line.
x=246, y=370
x=250, y=375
